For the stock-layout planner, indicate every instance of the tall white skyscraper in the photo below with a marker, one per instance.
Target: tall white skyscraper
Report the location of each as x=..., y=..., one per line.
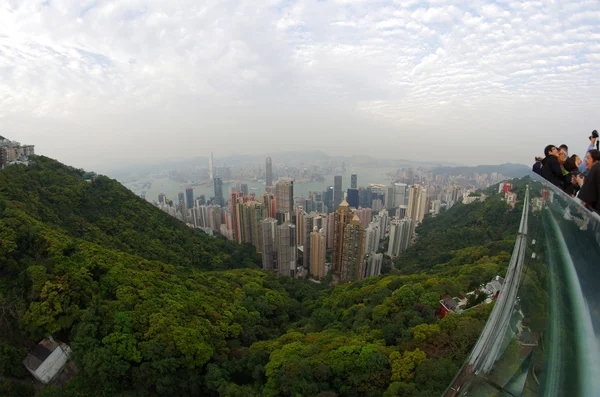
x=417, y=203
x=373, y=264
x=211, y=173
x=400, y=235
x=373, y=236
x=399, y=194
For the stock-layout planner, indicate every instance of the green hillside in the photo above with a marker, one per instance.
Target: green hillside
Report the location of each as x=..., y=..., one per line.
x=468, y=242
x=131, y=290
x=107, y=213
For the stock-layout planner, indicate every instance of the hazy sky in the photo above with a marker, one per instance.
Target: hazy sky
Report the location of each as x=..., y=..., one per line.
x=114, y=82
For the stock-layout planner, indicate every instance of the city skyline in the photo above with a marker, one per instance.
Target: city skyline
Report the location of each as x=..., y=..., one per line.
x=445, y=81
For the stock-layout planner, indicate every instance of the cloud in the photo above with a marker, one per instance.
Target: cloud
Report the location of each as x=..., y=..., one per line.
x=185, y=77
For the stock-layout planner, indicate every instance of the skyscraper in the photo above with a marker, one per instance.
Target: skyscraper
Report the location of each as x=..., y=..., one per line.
x=284, y=199
x=268, y=200
x=338, y=194
x=353, y=181
x=286, y=250
x=399, y=194
x=269, y=243
x=417, y=203
x=365, y=215
x=311, y=221
x=373, y=236
x=211, y=173
x=317, y=254
x=353, y=251
x=218, y=185
x=236, y=210
x=352, y=198
x=300, y=231
x=341, y=217
x=373, y=265
x=189, y=197
x=400, y=235
x=269, y=172
x=162, y=198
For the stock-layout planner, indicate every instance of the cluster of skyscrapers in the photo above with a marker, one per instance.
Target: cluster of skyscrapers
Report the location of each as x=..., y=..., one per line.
x=332, y=231
x=335, y=232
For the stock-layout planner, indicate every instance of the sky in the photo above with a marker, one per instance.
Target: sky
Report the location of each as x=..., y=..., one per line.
x=109, y=83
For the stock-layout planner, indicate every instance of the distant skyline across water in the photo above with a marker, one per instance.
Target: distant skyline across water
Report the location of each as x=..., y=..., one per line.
x=171, y=188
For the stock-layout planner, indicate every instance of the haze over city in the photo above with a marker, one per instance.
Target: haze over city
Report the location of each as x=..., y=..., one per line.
x=107, y=83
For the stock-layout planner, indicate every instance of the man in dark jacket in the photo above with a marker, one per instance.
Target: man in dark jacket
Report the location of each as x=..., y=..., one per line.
x=551, y=170
x=537, y=166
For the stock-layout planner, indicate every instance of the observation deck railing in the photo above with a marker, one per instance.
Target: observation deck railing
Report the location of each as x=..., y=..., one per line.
x=543, y=335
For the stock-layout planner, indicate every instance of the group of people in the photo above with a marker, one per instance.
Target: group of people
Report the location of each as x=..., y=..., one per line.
x=575, y=176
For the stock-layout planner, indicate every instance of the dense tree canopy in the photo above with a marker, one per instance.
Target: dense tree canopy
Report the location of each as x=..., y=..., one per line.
x=152, y=307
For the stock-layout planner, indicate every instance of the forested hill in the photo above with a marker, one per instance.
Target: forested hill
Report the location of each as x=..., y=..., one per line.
x=472, y=242
x=118, y=280
x=107, y=213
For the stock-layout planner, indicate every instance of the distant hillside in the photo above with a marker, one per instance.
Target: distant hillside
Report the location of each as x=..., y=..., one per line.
x=472, y=242
x=107, y=213
x=509, y=170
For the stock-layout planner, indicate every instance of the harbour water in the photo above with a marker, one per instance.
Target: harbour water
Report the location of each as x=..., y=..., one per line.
x=171, y=188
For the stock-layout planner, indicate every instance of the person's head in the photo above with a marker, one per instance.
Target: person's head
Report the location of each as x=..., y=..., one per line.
x=550, y=150
x=576, y=159
x=569, y=164
x=565, y=148
x=562, y=156
x=538, y=159
x=592, y=158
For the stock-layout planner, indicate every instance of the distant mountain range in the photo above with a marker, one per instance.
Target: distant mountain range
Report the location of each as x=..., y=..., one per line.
x=510, y=170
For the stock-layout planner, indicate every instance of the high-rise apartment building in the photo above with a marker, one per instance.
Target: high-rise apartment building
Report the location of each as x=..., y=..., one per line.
x=384, y=219
x=348, y=244
x=364, y=214
x=338, y=194
x=436, y=206
x=317, y=254
x=373, y=236
x=286, y=250
x=310, y=222
x=236, y=208
x=268, y=172
x=417, y=203
x=268, y=200
x=353, y=251
x=373, y=263
x=300, y=231
x=269, y=243
x=399, y=194
x=353, y=181
x=189, y=197
x=284, y=198
x=341, y=217
x=400, y=235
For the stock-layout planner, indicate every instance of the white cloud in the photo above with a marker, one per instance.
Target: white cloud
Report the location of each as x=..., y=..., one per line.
x=187, y=77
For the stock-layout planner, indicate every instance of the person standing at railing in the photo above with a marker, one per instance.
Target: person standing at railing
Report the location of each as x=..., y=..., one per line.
x=537, y=166
x=571, y=167
x=551, y=169
x=594, y=143
x=590, y=186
